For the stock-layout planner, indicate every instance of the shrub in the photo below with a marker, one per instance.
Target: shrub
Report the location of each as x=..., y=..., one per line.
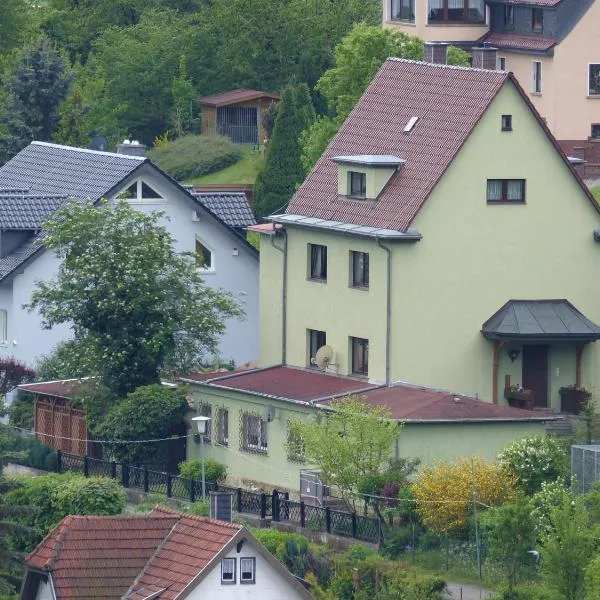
x=532, y=591
x=534, y=460
x=214, y=471
x=551, y=494
x=20, y=412
x=444, y=492
x=35, y=454
x=195, y=155
x=93, y=496
x=592, y=579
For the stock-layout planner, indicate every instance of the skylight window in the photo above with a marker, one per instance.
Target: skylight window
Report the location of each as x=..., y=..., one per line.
x=411, y=123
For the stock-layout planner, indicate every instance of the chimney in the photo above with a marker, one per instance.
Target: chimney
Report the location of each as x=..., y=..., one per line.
x=485, y=57
x=436, y=52
x=132, y=148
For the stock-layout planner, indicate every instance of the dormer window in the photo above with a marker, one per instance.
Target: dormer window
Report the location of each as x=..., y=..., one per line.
x=358, y=184
x=364, y=176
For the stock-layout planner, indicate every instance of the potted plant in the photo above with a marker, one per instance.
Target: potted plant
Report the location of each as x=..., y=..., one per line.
x=573, y=399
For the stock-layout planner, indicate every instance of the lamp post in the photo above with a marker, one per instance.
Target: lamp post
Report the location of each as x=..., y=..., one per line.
x=202, y=424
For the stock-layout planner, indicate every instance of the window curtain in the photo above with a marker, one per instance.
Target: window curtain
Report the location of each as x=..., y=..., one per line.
x=436, y=4
x=494, y=189
x=476, y=10
x=514, y=190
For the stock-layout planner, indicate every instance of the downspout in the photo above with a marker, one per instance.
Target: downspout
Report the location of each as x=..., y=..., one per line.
x=388, y=332
x=283, y=296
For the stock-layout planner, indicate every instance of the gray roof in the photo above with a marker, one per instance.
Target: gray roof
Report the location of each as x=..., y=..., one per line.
x=51, y=169
x=22, y=254
x=26, y=211
x=540, y=320
x=231, y=207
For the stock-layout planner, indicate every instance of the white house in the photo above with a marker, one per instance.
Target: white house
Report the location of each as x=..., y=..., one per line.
x=166, y=555
x=39, y=179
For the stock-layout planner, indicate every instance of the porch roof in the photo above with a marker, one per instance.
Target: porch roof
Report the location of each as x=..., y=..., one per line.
x=540, y=321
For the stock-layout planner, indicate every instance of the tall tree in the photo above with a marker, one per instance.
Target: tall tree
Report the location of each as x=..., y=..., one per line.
x=354, y=442
x=133, y=301
x=358, y=57
x=13, y=18
x=282, y=170
x=36, y=84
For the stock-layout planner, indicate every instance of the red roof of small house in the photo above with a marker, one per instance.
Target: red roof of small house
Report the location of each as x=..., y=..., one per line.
x=267, y=228
x=61, y=388
x=510, y=41
x=449, y=101
x=286, y=383
x=235, y=97
x=416, y=404
x=192, y=544
x=93, y=557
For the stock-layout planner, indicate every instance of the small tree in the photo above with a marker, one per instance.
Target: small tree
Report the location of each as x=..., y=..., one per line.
x=353, y=443
x=282, y=170
x=534, y=460
x=510, y=532
x=151, y=412
x=567, y=549
x=444, y=492
x=133, y=301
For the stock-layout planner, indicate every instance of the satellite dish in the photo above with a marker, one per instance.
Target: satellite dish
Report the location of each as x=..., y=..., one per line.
x=323, y=357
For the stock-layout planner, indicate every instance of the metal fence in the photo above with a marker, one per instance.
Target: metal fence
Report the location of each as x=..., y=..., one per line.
x=276, y=505
x=585, y=466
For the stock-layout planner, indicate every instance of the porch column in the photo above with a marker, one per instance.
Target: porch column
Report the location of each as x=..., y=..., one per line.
x=496, y=361
x=578, y=353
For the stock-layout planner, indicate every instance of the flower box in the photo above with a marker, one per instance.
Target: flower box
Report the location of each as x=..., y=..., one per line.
x=519, y=398
x=573, y=399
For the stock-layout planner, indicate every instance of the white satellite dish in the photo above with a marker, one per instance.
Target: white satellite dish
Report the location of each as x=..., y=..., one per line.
x=323, y=357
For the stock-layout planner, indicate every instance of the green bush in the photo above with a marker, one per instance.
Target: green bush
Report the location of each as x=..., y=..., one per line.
x=53, y=497
x=531, y=591
x=214, y=471
x=195, y=155
x=20, y=412
x=35, y=454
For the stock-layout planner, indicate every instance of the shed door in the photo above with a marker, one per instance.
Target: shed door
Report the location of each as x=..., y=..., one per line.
x=535, y=373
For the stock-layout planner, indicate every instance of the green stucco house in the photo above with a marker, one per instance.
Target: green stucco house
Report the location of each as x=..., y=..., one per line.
x=446, y=253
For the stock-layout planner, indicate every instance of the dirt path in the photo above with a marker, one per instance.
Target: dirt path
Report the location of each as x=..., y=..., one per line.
x=463, y=591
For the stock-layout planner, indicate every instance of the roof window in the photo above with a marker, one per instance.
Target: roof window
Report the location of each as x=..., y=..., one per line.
x=410, y=125
x=363, y=176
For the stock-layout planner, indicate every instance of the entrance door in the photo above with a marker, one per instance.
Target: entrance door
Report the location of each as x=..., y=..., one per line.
x=535, y=373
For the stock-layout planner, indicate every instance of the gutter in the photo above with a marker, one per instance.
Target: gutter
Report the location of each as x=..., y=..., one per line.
x=283, y=295
x=388, y=333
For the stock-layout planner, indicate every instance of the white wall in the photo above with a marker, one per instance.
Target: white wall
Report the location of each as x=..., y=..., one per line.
x=27, y=341
x=269, y=583
x=44, y=591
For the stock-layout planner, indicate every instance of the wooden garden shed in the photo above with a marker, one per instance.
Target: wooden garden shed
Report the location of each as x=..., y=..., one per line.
x=238, y=114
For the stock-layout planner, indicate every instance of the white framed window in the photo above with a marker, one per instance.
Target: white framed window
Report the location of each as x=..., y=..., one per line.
x=402, y=10
x=316, y=339
x=3, y=327
x=502, y=63
x=228, y=570
x=536, y=77
x=205, y=257
x=317, y=262
x=139, y=192
x=248, y=570
x=253, y=433
x=594, y=79
x=359, y=349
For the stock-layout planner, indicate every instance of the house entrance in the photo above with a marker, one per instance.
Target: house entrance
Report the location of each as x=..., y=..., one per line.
x=535, y=373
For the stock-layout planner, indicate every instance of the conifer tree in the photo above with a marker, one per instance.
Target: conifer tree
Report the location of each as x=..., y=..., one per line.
x=283, y=170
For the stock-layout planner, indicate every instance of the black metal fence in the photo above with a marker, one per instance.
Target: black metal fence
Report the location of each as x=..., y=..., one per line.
x=276, y=505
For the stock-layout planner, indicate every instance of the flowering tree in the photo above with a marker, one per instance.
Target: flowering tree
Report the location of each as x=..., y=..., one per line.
x=444, y=492
x=134, y=303
x=534, y=460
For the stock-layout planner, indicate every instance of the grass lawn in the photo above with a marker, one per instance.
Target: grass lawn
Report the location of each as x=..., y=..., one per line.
x=243, y=171
x=596, y=192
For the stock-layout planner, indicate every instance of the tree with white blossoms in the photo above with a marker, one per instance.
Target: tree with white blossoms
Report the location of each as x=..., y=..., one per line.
x=135, y=305
x=534, y=460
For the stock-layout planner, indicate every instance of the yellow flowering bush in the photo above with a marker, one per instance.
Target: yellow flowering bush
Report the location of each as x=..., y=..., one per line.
x=444, y=492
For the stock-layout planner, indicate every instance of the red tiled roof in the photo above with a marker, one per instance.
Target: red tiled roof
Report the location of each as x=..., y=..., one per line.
x=99, y=557
x=188, y=549
x=265, y=227
x=519, y=42
x=301, y=385
x=408, y=403
x=235, y=96
x=62, y=388
x=449, y=102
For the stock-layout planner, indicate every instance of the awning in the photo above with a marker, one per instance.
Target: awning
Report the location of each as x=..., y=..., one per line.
x=541, y=321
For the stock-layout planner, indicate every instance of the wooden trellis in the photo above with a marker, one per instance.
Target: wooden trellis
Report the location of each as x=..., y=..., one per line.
x=59, y=425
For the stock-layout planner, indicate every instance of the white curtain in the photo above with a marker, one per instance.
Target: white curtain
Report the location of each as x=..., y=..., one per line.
x=494, y=189
x=436, y=4
x=514, y=190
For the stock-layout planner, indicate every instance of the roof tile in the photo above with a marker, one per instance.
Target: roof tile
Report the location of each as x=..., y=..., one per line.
x=235, y=96
x=231, y=207
x=510, y=41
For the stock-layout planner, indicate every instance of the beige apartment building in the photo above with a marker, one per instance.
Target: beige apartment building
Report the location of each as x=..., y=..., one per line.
x=552, y=47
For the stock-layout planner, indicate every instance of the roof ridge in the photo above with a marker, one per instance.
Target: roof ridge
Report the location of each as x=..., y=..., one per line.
x=89, y=151
x=503, y=74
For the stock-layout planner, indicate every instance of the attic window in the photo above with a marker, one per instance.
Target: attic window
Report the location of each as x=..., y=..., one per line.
x=411, y=123
x=506, y=122
x=358, y=184
x=140, y=191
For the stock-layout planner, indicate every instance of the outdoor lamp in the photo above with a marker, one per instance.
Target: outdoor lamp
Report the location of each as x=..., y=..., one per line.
x=202, y=424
